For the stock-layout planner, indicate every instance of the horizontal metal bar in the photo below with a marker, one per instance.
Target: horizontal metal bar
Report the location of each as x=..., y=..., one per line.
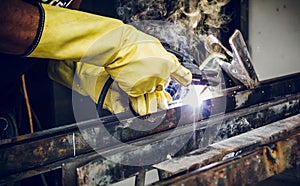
x=285, y=106
x=153, y=148
x=230, y=147
x=25, y=153
x=272, y=157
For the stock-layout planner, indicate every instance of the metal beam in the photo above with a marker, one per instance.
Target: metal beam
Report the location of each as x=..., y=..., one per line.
x=278, y=151
x=43, y=150
x=153, y=148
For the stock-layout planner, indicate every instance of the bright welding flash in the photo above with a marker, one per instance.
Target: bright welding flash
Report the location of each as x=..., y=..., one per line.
x=195, y=95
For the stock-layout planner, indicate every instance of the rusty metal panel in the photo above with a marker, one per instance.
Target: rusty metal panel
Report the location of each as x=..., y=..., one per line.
x=247, y=169
x=97, y=171
x=69, y=174
x=278, y=151
x=230, y=147
x=25, y=154
x=256, y=116
x=29, y=151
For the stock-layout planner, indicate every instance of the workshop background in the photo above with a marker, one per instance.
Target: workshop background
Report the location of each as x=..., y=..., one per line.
x=271, y=32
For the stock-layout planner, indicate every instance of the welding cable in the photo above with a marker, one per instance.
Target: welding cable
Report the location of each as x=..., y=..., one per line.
x=99, y=106
x=27, y=104
x=100, y=110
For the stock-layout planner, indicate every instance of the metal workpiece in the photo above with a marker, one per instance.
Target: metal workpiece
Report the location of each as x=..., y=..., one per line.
x=245, y=159
x=259, y=109
x=85, y=154
x=99, y=171
x=49, y=146
x=231, y=125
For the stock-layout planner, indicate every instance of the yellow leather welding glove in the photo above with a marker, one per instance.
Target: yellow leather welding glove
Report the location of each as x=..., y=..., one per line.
x=136, y=61
x=150, y=102
x=89, y=80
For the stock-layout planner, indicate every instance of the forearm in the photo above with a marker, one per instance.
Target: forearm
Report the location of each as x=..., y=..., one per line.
x=19, y=23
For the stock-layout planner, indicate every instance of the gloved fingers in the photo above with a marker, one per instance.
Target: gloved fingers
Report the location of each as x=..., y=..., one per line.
x=116, y=100
x=138, y=104
x=163, y=98
x=146, y=86
x=150, y=102
x=144, y=104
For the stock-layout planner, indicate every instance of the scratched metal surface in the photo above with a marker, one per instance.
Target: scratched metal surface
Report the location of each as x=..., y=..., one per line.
x=241, y=160
x=42, y=151
x=100, y=170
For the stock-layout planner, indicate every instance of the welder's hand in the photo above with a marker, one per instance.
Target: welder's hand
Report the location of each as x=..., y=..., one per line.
x=89, y=80
x=150, y=102
x=136, y=61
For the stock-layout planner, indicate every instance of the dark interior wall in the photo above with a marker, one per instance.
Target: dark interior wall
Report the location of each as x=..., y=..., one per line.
x=238, y=12
x=39, y=89
x=103, y=7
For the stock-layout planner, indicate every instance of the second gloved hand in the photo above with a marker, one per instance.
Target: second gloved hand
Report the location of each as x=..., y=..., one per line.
x=136, y=61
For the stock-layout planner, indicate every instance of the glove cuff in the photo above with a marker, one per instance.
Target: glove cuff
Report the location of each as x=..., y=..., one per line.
x=38, y=36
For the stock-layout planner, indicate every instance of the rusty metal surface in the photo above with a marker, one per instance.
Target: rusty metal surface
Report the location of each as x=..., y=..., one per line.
x=232, y=146
x=17, y=156
x=249, y=109
x=257, y=116
x=42, y=148
x=97, y=171
x=277, y=149
x=68, y=168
